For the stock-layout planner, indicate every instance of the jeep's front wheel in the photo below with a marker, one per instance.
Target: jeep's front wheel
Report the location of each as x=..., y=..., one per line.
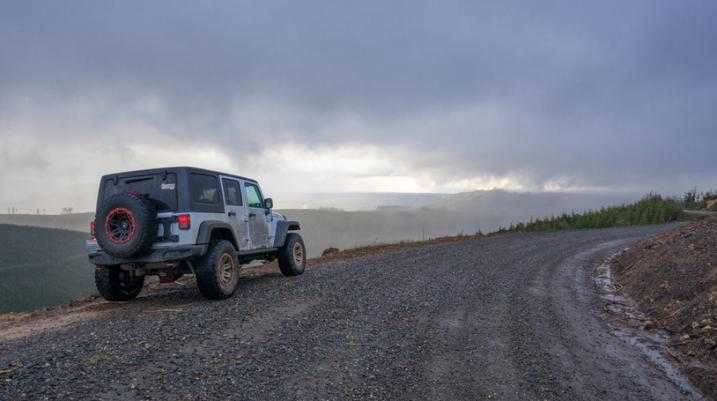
x=292, y=256
x=113, y=284
x=218, y=271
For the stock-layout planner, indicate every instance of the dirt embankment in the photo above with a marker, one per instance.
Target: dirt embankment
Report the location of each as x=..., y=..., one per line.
x=673, y=278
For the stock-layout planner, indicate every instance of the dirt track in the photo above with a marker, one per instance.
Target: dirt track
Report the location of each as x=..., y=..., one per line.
x=510, y=317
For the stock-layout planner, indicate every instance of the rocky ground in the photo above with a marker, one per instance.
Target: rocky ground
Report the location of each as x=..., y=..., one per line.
x=673, y=278
x=510, y=317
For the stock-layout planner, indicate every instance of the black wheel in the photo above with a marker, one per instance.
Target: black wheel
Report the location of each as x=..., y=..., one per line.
x=218, y=271
x=126, y=225
x=114, y=284
x=292, y=256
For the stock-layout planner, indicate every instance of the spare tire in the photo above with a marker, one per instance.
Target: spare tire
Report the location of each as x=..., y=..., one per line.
x=126, y=225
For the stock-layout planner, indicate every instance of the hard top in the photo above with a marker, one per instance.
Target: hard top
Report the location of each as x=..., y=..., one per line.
x=174, y=169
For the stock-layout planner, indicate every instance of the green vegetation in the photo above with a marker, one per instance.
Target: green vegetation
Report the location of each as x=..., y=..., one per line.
x=652, y=209
x=42, y=267
x=695, y=200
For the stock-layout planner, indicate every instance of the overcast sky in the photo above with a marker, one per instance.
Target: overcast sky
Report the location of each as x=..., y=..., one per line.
x=363, y=96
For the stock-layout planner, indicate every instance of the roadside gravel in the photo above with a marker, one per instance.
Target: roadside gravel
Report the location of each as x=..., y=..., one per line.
x=508, y=317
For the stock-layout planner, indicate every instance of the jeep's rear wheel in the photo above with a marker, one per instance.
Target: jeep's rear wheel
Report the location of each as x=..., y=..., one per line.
x=218, y=271
x=292, y=256
x=126, y=225
x=113, y=284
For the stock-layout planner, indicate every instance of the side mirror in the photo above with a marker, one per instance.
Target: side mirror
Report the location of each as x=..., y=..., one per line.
x=269, y=203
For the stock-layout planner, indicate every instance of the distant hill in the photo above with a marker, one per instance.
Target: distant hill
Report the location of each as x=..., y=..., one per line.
x=350, y=220
x=326, y=228
x=505, y=206
x=42, y=267
x=75, y=221
x=501, y=201
x=355, y=201
x=436, y=215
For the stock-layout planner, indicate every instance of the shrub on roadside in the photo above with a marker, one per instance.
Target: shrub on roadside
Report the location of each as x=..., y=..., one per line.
x=329, y=251
x=695, y=200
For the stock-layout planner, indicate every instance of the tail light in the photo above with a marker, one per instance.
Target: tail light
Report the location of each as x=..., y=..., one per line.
x=184, y=221
x=92, y=229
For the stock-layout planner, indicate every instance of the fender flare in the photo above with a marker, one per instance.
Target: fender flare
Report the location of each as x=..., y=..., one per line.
x=205, y=231
x=282, y=228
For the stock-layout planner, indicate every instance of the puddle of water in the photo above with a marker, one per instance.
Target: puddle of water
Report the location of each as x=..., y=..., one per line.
x=653, y=348
x=651, y=344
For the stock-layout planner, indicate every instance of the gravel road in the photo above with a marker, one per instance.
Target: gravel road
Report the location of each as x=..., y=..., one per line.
x=512, y=317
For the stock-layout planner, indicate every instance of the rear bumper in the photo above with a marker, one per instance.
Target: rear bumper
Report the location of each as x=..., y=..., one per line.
x=155, y=256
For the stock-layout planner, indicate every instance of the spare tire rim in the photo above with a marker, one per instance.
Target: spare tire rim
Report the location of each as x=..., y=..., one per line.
x=120, y=225
x=227, y=271
x=298, y=253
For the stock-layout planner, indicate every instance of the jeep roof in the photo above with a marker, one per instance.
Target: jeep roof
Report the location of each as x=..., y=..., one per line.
x=179, y=176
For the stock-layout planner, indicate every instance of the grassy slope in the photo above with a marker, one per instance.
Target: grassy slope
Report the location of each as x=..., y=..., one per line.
x=652, y=209
x=75, y=222
x=42, y=267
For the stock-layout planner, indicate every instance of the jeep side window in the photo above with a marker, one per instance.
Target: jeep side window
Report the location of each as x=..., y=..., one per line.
x=253, y=196
x=204, y=188
x=232, y=192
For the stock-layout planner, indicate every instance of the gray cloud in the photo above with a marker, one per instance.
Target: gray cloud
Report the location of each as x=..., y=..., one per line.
x=604, y=95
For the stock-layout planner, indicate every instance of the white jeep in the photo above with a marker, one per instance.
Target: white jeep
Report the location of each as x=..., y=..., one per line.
x=184, y=220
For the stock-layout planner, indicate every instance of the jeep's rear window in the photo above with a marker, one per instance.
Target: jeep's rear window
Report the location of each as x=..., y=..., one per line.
x=205, y=193
x=161, y=189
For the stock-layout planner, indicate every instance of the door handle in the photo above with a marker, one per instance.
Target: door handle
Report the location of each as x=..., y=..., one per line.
x=232, y=214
